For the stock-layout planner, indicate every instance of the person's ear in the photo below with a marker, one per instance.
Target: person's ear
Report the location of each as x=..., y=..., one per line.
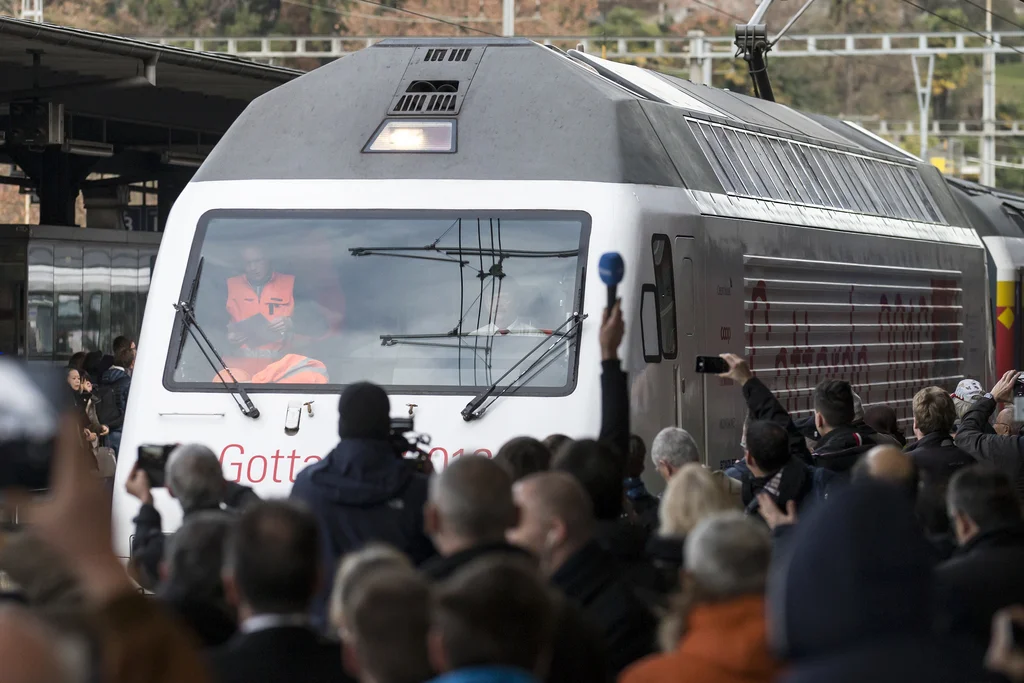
x=819, y=421
x=748, y=459
x=436, y=654
x=163, y=571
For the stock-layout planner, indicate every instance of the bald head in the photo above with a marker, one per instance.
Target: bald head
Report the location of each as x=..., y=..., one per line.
x=472, y=499
x=1004, y=423
x=888, y=464
x=30, y=651
x=556, y=509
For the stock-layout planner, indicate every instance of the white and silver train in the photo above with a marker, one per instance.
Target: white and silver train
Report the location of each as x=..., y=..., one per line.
x=431, y=213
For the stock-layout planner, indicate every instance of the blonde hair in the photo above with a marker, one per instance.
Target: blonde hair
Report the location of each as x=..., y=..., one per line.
x=356, y=566
x=692, y=494
x=935, y=411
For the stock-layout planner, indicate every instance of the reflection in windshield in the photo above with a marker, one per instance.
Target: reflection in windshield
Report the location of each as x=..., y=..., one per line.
x=299, y=298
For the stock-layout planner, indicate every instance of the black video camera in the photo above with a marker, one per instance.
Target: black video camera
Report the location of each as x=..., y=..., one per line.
x=406, y=441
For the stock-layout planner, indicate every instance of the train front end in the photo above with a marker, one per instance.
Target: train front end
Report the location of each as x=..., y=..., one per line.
x=329, y=240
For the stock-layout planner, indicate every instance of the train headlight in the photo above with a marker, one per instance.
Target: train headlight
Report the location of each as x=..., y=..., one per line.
x=409, y=135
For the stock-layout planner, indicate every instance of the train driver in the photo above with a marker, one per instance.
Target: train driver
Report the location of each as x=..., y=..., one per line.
x=510, y=316
x=260, y=291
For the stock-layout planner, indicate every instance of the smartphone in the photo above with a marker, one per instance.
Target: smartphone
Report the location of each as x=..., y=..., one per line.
x=153, y=461
x=34, y=400
x=711, y=365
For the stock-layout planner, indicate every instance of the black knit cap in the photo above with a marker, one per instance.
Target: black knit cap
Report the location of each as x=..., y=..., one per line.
x=364, y=412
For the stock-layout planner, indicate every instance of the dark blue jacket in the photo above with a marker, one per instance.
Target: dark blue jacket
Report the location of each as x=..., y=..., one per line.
x=120, y=382
x=851, y=600
x=360, y=493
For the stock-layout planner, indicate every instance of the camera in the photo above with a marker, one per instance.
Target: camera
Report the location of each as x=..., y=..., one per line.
x=406, y=441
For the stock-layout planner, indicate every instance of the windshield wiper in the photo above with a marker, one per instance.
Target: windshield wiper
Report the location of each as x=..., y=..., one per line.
x=190, y=325
x=475, y=408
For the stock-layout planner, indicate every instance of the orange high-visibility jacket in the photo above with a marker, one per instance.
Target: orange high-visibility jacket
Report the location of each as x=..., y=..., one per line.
x=275, y=300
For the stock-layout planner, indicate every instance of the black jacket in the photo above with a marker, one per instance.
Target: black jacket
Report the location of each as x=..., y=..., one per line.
x=579, y=650
x=360, y=493
x=762, y=405
x=615, y=409
x=983, y=576
x=852, y=599
x=147, y=545
x=278, y=655
x=596, y=582
x=937, y=457
x=840, y=449
x=120, y=383
x=211, y=623
x=804, y=485
x=666, y=554
x=626, y=542
x=1005, y=453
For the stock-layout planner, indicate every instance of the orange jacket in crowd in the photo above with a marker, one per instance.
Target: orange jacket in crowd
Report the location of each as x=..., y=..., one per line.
x=724, y=642
x=275, y=300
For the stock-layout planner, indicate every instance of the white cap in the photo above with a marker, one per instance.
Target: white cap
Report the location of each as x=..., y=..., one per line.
x=968, y=390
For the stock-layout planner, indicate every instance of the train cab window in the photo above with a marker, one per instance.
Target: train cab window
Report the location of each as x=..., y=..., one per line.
x=664, y=281
x=438, y=302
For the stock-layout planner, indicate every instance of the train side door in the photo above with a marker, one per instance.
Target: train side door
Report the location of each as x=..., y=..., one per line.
x=679, y=329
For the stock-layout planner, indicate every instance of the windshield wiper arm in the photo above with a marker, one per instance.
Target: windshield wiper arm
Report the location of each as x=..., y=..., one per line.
x=191, y=325
x=473, y=410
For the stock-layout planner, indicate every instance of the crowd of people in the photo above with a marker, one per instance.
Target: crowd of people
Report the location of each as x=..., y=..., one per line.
x=838, y=548
x=99, y=386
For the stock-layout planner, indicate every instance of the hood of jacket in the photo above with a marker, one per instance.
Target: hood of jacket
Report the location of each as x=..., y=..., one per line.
x=621, y=538
x=113, y=375
x=361, y=473
x=858, y=570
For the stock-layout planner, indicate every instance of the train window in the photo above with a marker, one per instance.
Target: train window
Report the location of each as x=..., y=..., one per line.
x=414, y=301
x=40, y=300
x=664, y=281
x=96, y=290
x=124, y=283
x=649, y=324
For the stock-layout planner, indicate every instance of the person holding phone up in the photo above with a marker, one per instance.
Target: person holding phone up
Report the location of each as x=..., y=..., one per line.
x=781, y=483
x=1005, y=453
x=194, y=476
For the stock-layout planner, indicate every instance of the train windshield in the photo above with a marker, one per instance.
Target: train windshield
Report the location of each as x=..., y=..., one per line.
x=415, y=302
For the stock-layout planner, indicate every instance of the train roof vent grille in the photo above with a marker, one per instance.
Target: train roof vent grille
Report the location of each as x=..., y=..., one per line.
x=766, y=167
x=428, y=97
x=460, y=55
x=435, y=55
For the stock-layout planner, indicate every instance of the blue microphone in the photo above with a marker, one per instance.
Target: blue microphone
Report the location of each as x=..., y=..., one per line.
x=611, y=268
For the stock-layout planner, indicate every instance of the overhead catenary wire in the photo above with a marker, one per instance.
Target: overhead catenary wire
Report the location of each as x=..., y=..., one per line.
x=994, y=15
x=743, y=21
x=980, y=34
x=393, y=9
